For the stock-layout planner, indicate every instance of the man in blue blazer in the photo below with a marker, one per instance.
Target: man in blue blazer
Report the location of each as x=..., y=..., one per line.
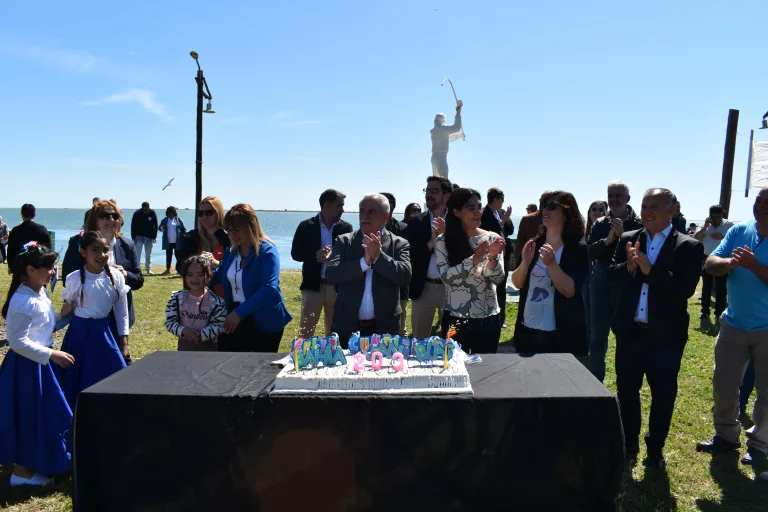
x=369, y=266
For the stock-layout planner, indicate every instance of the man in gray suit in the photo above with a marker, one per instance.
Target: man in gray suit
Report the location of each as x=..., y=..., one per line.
x=369, y=266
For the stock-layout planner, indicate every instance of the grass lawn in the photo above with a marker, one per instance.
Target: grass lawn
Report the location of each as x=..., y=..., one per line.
x=692, y=481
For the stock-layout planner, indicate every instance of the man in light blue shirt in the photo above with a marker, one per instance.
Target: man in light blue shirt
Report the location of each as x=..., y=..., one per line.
x=743, y=256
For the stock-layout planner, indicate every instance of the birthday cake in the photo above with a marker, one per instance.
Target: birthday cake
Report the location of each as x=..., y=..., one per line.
x=380, y=364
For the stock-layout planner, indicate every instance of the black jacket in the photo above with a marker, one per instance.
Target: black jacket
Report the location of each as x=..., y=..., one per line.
x=488, y=222
x=125, y=256
x=418, y=234
x=400, y=229
x=680, y=224
x=27, y=231
x=570, y=318
x=306, y=243
x=144, y=225
x=598, y=252
x=671, y=282
x=188, y=245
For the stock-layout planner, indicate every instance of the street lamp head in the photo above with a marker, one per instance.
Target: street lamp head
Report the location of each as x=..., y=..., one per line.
x=209, y=109
x=765, y=122
x=193, y=54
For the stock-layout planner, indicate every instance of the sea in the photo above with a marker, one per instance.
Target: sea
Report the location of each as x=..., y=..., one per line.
x=279, y=226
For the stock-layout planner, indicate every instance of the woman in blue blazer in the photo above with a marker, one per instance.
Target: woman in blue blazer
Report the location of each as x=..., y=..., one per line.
x=250, y=275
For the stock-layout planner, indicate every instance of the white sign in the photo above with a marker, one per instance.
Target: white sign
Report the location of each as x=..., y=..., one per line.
x=759, y=165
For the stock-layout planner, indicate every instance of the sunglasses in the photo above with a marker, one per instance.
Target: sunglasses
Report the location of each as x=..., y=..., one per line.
x=551, y=206
x=206, y=213
x=109, y=215
x=598, y=209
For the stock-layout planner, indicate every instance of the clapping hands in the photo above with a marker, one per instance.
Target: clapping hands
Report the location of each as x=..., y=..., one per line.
x=372, y=247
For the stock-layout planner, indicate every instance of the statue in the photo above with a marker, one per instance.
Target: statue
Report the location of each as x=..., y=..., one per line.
x=443, y=135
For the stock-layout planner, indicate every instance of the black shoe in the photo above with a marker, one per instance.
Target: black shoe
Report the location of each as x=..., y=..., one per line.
x=746, y=459
x=704, y=316
x=654, y=462
x=756, y=458
x=746, y=421
x=632, y=452
x=716, y=445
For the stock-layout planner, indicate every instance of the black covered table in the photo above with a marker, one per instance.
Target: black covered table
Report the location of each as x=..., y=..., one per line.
x=181, y=431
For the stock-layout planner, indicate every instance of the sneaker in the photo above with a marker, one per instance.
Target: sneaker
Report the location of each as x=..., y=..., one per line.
x=764, y=475
x=150, y=273
x=716, y=445
x=36, y=479
x=166, y=273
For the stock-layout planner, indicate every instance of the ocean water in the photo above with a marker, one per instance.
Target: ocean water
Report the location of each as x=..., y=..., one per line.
x=279, y=226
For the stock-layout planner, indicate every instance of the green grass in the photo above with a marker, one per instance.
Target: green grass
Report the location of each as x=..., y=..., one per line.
x=692, y=482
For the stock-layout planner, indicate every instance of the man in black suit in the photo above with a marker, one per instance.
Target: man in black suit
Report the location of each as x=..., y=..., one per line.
x=369, y=266
x=496, y=221
x=27, y=231
x=398, y=228
x=656, y=270
x=312, y=245
x=427, y=291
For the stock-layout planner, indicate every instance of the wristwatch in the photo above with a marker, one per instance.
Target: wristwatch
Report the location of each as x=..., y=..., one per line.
x=494, y=258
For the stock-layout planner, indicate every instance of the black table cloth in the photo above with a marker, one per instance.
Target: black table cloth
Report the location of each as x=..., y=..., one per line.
x=199, y=431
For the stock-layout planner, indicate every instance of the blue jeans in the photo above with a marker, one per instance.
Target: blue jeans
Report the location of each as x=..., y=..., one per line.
x=145, y=243
x=747, y=386
x=602, y=306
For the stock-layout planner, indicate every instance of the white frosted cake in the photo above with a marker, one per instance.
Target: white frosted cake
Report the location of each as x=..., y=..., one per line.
x=416, y=377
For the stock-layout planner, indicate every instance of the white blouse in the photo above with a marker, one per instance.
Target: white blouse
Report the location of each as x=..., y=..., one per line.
x=31, y=319
x=235, y=277
x=99, y=297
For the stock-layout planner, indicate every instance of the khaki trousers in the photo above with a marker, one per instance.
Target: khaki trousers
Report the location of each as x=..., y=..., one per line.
x=423, y=310
x=732, y=353
x=403, y=315
x=312, y=303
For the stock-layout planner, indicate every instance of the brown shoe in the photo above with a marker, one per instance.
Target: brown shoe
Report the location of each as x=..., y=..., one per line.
x=166, y=273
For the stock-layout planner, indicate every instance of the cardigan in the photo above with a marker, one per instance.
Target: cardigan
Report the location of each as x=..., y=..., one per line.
x=215, y=327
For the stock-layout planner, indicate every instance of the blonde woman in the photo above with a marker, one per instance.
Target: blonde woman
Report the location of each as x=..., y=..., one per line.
x=209, y=239
x=250, y=275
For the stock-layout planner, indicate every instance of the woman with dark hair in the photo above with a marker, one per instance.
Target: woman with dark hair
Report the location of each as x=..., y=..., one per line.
x=470, y=264
x=173, y=229
x=596, y=210
x=551, y=274
x=250, y=274
x=410, y=210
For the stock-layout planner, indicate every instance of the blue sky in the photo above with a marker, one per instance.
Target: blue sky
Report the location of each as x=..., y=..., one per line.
x=99, y=100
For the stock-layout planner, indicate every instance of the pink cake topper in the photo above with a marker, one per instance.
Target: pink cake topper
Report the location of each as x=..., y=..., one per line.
x=377, y=360
x=358, y=359
x=398, y=362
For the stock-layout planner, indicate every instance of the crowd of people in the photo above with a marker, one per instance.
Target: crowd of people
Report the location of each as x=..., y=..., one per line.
x=632, y=272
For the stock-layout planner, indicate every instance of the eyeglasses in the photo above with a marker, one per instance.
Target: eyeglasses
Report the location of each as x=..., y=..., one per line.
x=551, y=206
x=432, y=190
x=109, y=215
x=598, y=209
x=206, y=213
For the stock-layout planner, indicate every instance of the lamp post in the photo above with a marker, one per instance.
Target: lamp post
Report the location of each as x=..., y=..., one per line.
x=201, y=94
x=765, y=122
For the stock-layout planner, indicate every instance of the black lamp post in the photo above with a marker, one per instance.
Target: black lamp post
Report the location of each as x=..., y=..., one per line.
x=765, y=122
x=201, y=83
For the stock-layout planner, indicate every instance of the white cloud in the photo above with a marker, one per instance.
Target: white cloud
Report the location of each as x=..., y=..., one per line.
x=141, y=96
x=232, y=120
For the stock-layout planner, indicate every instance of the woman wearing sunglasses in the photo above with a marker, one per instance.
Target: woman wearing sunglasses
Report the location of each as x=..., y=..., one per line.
x=209, y=239
x=596, y=210
x=551, y=274
x=107, y=218
x=173, y=229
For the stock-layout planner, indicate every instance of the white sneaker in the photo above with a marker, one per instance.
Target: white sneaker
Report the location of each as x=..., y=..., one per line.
x=36, y=479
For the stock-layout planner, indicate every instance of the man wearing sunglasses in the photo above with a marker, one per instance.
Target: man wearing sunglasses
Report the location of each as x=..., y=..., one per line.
x=144, y=233
x=601, y=245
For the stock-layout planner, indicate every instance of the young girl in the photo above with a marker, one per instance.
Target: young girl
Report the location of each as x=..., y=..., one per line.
x=35, y=419
x=195, y=315
x=93, y=292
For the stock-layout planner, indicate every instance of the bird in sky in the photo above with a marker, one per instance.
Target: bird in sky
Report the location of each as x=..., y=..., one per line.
x=169, y=184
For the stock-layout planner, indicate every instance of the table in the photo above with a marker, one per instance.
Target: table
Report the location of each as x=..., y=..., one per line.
x=199, y=431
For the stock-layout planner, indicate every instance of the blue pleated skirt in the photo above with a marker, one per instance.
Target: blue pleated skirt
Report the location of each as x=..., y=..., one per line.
x=35, y=419
x=91, y=343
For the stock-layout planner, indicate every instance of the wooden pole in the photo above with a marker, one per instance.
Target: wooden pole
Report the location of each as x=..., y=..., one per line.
x=199, y=148
x=749, y=162
x=728, y=157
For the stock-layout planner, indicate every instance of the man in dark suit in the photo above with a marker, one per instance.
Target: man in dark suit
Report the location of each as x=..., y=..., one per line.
x=496, y=221
x=656, y=270
x=312, y=245
x=527, y=229
x=369, y=266
x=398, y=228
x=27, y=231
x=427, y=291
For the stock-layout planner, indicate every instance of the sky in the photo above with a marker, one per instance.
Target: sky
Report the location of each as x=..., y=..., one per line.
x=99, y=99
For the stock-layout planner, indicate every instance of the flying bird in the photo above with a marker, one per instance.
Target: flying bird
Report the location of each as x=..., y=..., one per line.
x=169, y=184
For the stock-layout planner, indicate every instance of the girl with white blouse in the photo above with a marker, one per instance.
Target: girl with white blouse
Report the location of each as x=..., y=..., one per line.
x=93, y=292
x=35, y=419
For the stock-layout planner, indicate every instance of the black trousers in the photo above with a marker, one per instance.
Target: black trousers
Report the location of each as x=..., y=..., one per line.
x=169, y=251
x=249, y=338
x=644, y=353
x=2, y=252
x=364, y=330
x=501, y=296
x=534, y=341
x=475, y=335
x=721, y=292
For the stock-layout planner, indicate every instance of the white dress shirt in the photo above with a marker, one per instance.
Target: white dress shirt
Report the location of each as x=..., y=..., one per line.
x=31, y=319
x=326, y=239
x=366, y=306
x=653, y=248
x=432, y=271
x=99, y=297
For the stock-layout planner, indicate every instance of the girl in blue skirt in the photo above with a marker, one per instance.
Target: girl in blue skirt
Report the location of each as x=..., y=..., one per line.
x=92, y=293
x=35, y=419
